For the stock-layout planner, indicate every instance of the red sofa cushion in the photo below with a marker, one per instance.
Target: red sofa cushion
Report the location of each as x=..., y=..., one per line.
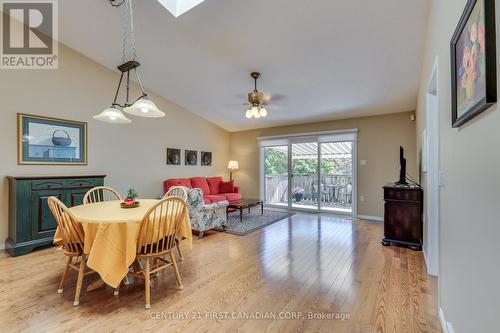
x=200, y=182
x=167, y=184
x=214, y=198
x=226, y=187
x=231, y=196
x=213, y=183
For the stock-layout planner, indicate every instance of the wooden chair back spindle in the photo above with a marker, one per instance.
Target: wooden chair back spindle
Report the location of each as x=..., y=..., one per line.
x=177, y=191
x=160, y=226
x=71, y=231
x=99, y=194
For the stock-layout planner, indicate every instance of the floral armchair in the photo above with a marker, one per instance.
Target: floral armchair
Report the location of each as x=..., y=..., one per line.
x=205, y=216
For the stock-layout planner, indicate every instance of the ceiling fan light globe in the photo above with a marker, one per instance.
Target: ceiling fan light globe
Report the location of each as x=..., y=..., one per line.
x=255, y=111
x=143, y=107
x=263, y=112
x=248, y=114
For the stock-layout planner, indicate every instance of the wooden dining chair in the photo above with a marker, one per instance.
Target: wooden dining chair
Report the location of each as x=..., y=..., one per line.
x=72, y=239
x=157, y=241
x=101, y=193
x=177, y=191
x=181, y=192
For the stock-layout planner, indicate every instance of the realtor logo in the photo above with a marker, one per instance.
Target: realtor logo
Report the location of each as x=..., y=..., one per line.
x=29, y=35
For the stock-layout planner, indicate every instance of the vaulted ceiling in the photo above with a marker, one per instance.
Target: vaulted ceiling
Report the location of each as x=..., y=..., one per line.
x=327, y=59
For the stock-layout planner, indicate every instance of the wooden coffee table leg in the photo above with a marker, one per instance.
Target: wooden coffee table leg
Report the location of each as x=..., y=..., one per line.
x=262, y=208
x=241, y=214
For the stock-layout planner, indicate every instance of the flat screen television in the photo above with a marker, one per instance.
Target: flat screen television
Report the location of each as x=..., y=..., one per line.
x=402, y=168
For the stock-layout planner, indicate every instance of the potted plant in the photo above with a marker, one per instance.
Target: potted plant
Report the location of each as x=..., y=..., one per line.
x=131, y=196
x=298, y=193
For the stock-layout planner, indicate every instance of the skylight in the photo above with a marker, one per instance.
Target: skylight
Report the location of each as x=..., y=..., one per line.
x=179, y=7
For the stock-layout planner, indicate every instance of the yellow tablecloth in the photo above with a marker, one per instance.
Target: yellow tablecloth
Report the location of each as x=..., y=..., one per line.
x=111, y=234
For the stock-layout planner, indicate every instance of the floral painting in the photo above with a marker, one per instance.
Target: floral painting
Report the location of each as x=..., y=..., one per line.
x=470, y=58
x=471, y=69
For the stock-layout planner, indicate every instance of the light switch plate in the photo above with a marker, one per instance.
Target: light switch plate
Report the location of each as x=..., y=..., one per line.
x=362, y=162
x=441, y=178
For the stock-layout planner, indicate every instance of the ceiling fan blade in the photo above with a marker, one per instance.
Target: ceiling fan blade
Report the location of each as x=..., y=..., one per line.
x=269, y=99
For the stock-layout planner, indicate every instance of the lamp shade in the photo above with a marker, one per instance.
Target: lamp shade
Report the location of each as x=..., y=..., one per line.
x=143, y=107
x=112, y=115
x=233, y=165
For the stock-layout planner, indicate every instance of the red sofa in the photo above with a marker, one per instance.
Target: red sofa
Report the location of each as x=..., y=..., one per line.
x=210, y=186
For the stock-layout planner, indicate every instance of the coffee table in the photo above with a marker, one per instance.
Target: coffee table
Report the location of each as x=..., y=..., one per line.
x=244, y=203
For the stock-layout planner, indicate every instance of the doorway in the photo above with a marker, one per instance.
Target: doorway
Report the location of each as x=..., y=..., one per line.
x=310, y=172
x=430, y=168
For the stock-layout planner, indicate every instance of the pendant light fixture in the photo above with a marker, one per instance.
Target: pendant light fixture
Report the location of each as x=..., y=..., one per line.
x=142, y=107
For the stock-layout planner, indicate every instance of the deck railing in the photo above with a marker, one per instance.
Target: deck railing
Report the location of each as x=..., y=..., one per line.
x=333, y=189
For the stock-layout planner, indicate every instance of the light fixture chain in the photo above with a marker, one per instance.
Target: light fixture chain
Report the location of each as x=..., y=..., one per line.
x=128, y=29
x=132, y=31
x=125, y=28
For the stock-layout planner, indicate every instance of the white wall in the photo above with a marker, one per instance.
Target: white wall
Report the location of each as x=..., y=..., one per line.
x=131, y=155
x=470, y=200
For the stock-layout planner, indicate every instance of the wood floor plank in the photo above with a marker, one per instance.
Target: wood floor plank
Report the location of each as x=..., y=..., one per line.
x=309, y=263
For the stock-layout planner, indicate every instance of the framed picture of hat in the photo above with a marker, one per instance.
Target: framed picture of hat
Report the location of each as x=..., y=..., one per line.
x=44, y=140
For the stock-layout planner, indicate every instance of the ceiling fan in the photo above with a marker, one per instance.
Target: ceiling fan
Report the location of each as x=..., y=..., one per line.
x=258, y=100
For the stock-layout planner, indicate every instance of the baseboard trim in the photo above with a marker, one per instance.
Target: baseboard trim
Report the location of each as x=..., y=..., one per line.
x=2, y=246
x=371, y=218
x=446, y=326
x=425, y=258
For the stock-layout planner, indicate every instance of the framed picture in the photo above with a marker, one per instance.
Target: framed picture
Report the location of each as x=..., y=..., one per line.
x=206, y=158
x=173, y=156
x=191, y=157
x=43, y=140
x=473, y=62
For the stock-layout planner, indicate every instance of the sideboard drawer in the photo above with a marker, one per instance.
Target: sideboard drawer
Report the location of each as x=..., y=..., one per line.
x=47, y=184
x=83, y=183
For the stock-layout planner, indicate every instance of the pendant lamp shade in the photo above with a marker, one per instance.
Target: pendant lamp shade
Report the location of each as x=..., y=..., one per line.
x=143, y=107
x=112, y=115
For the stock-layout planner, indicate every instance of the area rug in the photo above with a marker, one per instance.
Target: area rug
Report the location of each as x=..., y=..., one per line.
x=251, y=221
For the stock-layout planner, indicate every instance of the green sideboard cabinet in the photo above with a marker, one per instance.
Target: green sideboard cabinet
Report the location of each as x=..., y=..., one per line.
x=31, y=223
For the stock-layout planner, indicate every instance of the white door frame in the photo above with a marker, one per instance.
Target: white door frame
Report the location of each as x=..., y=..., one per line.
x=432, y=157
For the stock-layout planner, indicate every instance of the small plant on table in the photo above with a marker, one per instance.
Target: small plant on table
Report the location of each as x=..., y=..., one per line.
x=131, y=196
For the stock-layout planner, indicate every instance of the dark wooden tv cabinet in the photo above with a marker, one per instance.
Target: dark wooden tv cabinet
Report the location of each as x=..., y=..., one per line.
x=403, y=216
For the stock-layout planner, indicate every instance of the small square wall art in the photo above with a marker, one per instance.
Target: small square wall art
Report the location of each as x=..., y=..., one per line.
x=206, y=158
x=173, y=156
x=191, y=157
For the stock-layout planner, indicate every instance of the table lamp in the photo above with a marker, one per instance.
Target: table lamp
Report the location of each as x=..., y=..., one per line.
x=232, y=165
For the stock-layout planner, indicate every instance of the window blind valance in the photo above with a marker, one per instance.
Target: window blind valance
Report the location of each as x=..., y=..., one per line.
x=327, y=136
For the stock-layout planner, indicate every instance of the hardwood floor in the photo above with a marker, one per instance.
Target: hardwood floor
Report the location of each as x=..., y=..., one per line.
x=316, y=264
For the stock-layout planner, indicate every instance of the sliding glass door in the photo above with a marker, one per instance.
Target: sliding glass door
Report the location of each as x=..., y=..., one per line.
x=304, y=176
x=276, y=175
x=312, y=173
x=336, y=170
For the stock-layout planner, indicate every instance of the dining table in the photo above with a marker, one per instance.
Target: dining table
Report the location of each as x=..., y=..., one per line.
x=111, y=233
